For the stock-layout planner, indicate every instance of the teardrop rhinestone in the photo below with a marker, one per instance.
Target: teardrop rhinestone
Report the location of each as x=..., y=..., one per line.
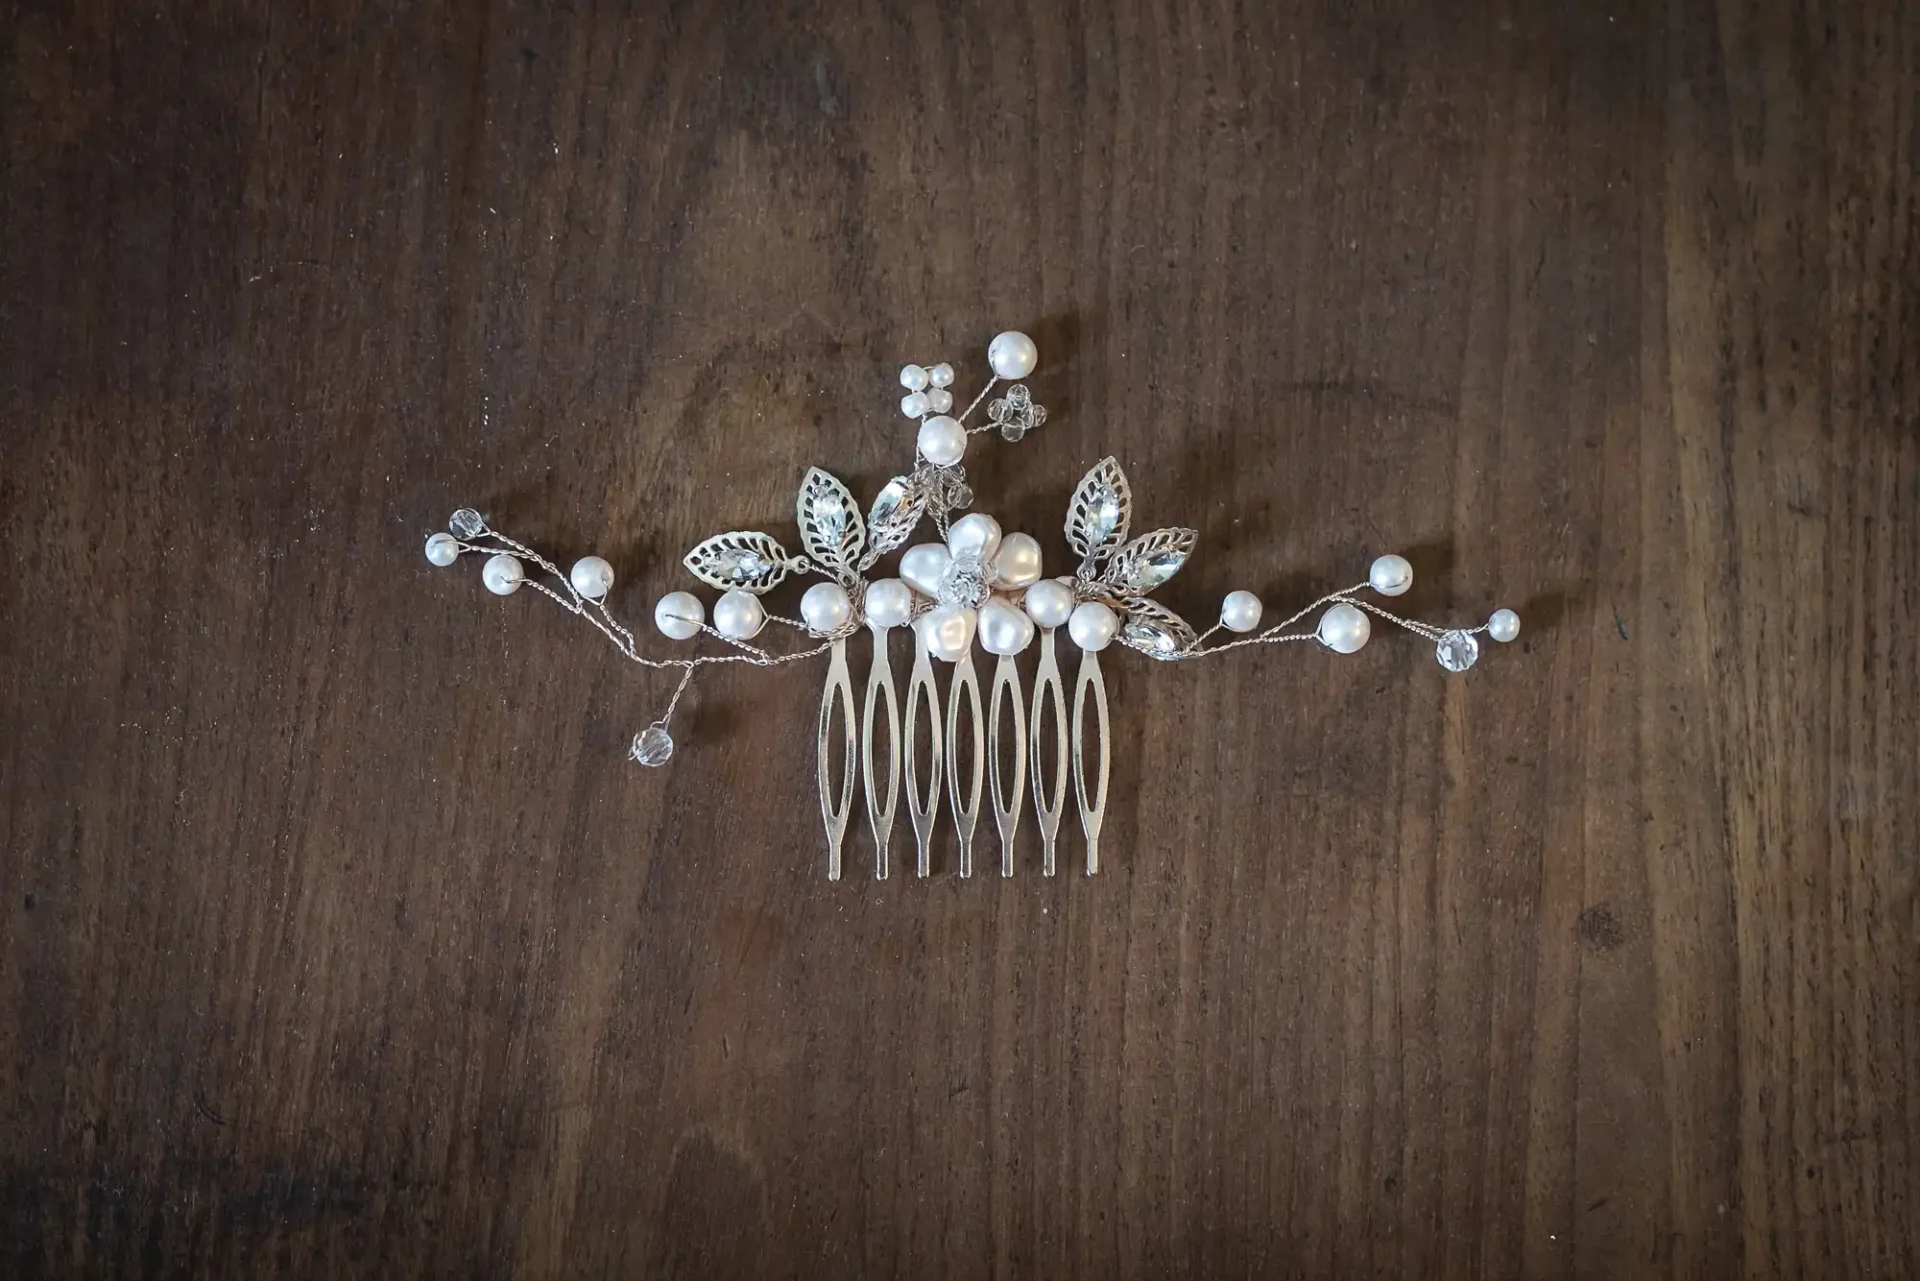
x=1103, y=513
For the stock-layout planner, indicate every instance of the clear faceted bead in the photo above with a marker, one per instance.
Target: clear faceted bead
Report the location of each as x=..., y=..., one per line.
x=652, y=746
x=467, y=523
x=1458, y=651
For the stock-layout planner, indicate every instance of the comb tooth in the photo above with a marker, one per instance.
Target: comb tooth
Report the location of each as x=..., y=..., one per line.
x=881, y=696
x=1006, y=809
x=923, y=801
x=1092, y=811
x=966, y=814
x=837, y=696
x=1048, y=802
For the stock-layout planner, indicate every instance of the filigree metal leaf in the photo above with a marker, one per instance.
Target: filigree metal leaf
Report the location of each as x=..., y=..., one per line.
x=830, y=525
x=1150, y=560
x=896, y=513
x=750, y=561
x=1101, y=509
x=1154, y=630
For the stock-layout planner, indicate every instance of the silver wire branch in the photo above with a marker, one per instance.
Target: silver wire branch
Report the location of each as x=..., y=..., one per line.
x=1277, y=634
x=596, y=613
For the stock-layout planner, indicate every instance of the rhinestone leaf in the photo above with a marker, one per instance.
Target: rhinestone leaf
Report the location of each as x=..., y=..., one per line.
x=1150, y=560
x=1457, y=651
x=752, y=562
x=830, y=524
x=1101, y=509
x=1154, y=630
x=896, y=513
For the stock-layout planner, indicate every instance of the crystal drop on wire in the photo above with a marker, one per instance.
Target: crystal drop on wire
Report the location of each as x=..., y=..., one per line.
x=467, y=523
x=653, y=746
x=1458, y=651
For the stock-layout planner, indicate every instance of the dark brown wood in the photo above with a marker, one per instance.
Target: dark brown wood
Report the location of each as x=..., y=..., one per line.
x=338, y=937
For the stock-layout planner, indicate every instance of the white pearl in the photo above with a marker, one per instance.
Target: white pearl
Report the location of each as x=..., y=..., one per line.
x=1391, y=575
x=975, y=534
x=941, y=375
x=825, y=608
x=913, y=378
x=1240, y=612
x=939, y=400
x=1012, y=355
x=739, y=614
x=678, y=615
x=1345, y=628
x=503, y=575
x=1049, y=602
x=914, y=404
x=1004, y=629
x=889, y=603
x=923, y=564
x=1092, y=626
x=443, y=549
x=592, y=577
x=942, y=441
x=1504, y=625
x=947, y=631
x=1017, y=564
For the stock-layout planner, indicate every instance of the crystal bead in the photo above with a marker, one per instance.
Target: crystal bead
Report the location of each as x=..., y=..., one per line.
x=467, y=523
x=965, y=582
x=652, y=746
x=961, y=495
x=1458, y=651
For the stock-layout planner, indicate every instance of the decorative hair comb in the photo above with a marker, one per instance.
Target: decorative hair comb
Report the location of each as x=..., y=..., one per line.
x=977, y=584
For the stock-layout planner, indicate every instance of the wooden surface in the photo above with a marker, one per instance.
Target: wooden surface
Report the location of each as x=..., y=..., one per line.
x=339, y=938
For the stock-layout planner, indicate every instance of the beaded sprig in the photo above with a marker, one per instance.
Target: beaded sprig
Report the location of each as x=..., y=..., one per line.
x=975, y=585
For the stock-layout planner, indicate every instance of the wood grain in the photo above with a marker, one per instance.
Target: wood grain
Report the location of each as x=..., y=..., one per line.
x=338, y=938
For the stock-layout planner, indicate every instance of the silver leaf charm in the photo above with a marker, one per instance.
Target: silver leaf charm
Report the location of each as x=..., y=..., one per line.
x=1149, y=561
x=897, y=509
x=1154, y=630
x=830, y=525
x=751, y=562
x=1100, y=512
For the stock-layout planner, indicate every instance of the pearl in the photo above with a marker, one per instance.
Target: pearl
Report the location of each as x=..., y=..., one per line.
x=1345, y=628
x=913, y=378
x=914, y=404
x=941, y=375
x=1012, y=355
x=503, y=575
x=443, y=549
x=1004, y=629
x=975, y=534
x=924, y=565
x=825, y=608
x=1240, y=612
x=678, y=615
x=739, y=615
x=592, y=577
x=939, y=400
x=1092, y=626
x=1017, y=564
x=942, y=441
x=889, y=604
x=947, y=631
x=1049, y=602
x=1391, y=575
x=1504, y=625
